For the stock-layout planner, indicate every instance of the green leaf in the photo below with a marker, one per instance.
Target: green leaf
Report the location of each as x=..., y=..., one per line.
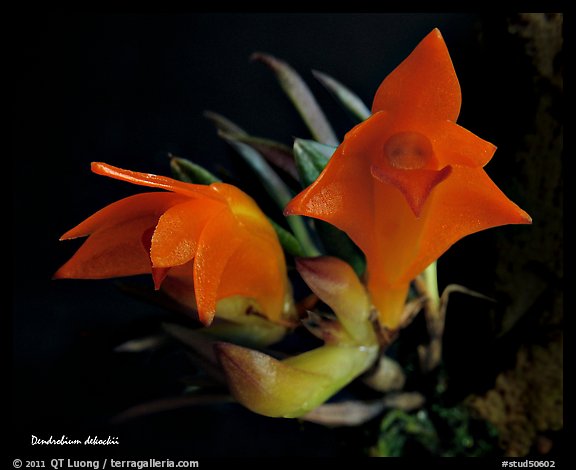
x=288, y=241
x=311, y=158
x=224, y=124
x=349, y=100
x=301, y=97
x=190, y=172
x=276, y=153
x=235, y=136
x=273, y=184
x=337, y=243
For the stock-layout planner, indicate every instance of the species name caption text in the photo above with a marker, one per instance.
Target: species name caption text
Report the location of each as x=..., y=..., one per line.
x=67, y=441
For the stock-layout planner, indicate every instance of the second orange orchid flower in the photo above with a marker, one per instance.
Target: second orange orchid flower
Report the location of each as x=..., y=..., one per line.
x=200, y=243
x=409, y=182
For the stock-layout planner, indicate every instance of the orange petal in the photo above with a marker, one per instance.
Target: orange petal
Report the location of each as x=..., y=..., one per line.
x=423, y=85
x=243, y=207
x=113, y=252
x=465, y=203
x=218, y=242
x=154, y=181
x=158, y=274
x=341, y=195
x=389, y=301
x=458, y=146
x=256, y=270
x=394, y=245
x=177, y=233
x=133, y=207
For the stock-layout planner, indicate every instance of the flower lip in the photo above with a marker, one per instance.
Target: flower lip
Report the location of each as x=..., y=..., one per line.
x=415, y=185
x=410, y=165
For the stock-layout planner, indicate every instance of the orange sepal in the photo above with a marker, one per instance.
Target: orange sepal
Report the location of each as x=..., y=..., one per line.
x=154, y=181
x=133, y=207
x=465, y=203
x=423, y=85
x=113, y=252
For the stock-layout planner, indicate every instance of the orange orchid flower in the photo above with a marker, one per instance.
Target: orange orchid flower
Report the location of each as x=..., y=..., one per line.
x=200, y=243
x=409, y=182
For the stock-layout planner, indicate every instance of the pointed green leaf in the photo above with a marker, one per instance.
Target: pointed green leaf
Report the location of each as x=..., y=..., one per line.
x=276, y=153
x=349, y=100
x=311, y=158
x=235, y=136
x=224, y=124
x=288, y=241
x=301, y=97
x=190, y=172
x=273, y=184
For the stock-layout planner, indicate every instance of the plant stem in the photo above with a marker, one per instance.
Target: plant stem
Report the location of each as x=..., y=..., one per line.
x=430, y=277
x=427, y=285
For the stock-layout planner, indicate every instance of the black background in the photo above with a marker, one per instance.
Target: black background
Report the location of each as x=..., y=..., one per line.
x=129, y=89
